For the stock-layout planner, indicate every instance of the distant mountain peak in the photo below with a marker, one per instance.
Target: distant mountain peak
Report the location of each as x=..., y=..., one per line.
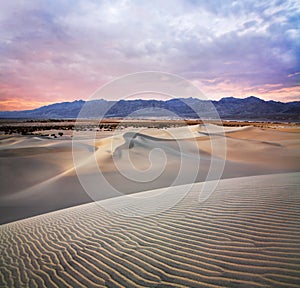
x=251, y=98
x=229, y=99
x=254, y=98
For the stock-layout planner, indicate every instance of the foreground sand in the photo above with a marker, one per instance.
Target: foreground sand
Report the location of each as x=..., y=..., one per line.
x=245, y=235
x=38, y=175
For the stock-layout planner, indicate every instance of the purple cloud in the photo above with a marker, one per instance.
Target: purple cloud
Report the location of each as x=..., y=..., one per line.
x=63, y=50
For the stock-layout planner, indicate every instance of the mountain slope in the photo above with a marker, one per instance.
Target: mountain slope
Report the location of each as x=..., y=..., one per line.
x=228, y=108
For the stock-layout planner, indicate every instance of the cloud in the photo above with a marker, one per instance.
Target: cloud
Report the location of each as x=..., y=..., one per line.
x=63, y=50
x=293, y=74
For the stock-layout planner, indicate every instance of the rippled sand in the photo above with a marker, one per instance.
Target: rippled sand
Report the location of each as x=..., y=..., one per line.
x=245, y=235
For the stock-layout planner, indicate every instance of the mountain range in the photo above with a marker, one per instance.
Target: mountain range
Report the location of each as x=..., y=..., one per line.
x=250, y=108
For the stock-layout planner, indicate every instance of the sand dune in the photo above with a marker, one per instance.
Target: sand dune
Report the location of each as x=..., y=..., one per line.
x=38, y=174
x=245, y=235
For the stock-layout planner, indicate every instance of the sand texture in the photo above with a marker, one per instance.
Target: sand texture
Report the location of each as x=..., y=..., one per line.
x=38, y=174
x=245, y=235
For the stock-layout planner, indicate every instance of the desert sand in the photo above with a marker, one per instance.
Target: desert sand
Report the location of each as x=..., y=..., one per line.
x=38, y=174
x=244, y=234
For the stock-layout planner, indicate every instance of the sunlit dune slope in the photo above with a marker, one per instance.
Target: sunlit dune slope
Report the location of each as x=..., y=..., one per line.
x=38, y=174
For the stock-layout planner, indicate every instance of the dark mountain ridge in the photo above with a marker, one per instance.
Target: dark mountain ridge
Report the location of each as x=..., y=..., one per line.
x=250, y=108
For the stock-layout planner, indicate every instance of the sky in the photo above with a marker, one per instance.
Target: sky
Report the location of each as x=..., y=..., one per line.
x=63, y=50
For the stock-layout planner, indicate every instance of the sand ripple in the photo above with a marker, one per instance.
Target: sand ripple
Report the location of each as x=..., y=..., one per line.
x=245, y=235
